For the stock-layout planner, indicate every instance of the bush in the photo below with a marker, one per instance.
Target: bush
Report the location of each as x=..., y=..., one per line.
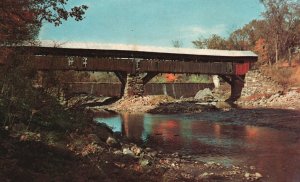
x=20, y=102
x=286, y=76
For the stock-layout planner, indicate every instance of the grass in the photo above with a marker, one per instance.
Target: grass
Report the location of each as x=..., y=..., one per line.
x=284, y=75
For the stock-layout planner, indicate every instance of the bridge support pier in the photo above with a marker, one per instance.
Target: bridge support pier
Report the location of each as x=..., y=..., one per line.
x=133, y=84
x=122, y=76
x=237, y=83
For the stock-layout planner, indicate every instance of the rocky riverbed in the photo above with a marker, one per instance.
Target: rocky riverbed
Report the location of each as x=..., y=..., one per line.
x=262, y=92
x=97, y=154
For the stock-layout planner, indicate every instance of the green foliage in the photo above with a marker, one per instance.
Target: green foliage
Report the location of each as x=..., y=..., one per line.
x=159, y=79
x=103, y=77
x=213, y=42
x=20, y=102
x=198, y=79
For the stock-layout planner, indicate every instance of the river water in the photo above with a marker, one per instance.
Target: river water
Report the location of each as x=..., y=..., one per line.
x=275, y=153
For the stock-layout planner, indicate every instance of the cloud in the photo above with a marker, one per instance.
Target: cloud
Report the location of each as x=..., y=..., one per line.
x=196, y=31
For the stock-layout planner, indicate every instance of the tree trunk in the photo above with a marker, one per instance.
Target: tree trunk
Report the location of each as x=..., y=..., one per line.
x=276, y=49
x=290, y=57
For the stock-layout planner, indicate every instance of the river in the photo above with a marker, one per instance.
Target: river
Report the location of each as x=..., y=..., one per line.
x=206, y=137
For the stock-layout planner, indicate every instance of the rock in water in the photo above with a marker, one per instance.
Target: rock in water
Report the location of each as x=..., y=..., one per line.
x=252, y=177
x=136, y=150
x=258, y=175
x=204, y=95
x=144, y=162
x=126, y=151
x=247, y=175
x=112, y=142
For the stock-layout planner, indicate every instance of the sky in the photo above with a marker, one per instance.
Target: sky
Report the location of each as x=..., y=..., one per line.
x=154, y=22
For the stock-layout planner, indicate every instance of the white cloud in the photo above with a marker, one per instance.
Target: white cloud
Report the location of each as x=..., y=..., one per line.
x=197, y=31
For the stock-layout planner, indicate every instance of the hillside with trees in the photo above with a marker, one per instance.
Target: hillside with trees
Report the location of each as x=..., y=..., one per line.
x=275, y=38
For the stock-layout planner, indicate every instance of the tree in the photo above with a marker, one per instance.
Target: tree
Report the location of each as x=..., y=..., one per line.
x=282, y=20
x=262, y=50
x=239, y=39
x=177, y=43
x=20, y=21
x=213, y=42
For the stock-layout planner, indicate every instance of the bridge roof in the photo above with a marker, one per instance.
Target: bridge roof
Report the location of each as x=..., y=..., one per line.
x=138, y=51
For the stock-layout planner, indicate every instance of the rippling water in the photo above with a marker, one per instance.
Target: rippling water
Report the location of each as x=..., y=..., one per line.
x=274, y=152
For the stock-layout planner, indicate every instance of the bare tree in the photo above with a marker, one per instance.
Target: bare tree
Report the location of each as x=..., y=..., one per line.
x=177, y=43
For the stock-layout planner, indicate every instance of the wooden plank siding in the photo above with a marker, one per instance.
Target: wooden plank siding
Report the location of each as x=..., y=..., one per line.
x=93, y=64
x=131, y=65
x=241, y=68
x=186, y=67
x=138, y=59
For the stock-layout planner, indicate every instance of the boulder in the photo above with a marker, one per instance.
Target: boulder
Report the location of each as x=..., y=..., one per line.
x=204, y=95
x=112, y=142
x=127, y=151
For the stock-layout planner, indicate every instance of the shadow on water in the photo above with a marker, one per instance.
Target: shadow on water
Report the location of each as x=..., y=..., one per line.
x=266, y=138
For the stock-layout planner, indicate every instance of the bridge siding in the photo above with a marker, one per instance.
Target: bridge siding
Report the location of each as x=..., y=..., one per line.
x=93, y=64
x=129, y=65
x=242, y=68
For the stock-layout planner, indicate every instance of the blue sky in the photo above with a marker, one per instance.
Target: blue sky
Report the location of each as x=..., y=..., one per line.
x=154, y=22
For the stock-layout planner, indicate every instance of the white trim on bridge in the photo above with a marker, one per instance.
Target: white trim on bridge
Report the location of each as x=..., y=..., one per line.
x=150, y=49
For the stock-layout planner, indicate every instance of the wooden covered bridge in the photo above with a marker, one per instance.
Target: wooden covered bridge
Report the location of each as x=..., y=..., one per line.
x=136, y=65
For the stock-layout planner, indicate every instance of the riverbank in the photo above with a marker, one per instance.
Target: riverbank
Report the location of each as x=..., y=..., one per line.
x=159, y=104
x=96, y=154
x=289, y=99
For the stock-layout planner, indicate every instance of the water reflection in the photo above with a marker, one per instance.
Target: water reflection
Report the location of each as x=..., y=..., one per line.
x=275, y=152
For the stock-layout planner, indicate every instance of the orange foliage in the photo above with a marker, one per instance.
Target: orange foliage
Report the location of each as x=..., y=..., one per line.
x=17, y=17
x=171, y=77
x=261, y=49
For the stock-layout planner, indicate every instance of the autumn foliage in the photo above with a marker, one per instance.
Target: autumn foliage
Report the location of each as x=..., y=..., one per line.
x=170, y=77
x=261, y=49
x=21, y=19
